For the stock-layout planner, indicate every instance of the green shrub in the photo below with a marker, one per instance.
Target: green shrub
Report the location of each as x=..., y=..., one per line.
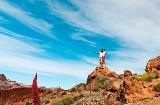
x=68, y=100
x=52, y=96
x=147, y=76
x=65, y=101
x=157, y=87
x=102, y=81
x=73, y=89
x=28, y=103
x=47, y=97
x=133, y=78
x=75, y=98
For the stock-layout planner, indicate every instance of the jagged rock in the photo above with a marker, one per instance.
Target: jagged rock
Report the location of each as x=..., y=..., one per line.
x=99, y=71
x=3, y=77
x=6, y=84
x=114, y=86
x=15, y=85
x=134, y=90
x=80, y=87
x=127, y=73
x=153, y=65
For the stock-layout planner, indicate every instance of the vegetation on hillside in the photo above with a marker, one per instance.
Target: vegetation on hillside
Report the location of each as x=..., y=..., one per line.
x=147, y=76
x=102, y=81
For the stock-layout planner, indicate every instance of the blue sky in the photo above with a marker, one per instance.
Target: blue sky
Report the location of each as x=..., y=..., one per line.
x=57, y=39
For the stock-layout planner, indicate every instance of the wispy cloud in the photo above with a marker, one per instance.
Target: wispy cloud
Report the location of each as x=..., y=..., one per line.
x=17, y=55
x=24, y=63
x=132, y=22
x=79, y=37
x=94, y=61
x=38, y=25
x=135, y=25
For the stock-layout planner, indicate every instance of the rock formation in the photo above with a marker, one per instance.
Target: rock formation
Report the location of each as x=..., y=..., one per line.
x=153, y=65
x=106, y=87
x=2, y=77
x=6, y=84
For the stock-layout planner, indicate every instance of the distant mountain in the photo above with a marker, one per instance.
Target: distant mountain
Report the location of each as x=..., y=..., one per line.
x=6, y=84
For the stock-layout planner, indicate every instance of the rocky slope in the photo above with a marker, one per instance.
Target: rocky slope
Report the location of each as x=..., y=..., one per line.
x=103, y=87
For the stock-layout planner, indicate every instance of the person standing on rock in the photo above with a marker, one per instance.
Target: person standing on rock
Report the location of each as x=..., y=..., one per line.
x=104, y=57
x=101, y=57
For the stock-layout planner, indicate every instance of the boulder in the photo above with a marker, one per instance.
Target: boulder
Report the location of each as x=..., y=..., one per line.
x=135, y=90
x=114, y=86
x=153, y=65
x=127, y=73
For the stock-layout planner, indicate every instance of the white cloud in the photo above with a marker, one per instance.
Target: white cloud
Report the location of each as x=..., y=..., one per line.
x=37, y=25
x=29, y=64
x=17, y=54
x=135, y=24
x=79, y=37
x=12, y=44
x=94, y=61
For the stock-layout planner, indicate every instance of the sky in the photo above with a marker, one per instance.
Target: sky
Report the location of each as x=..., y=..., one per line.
x=58, y=38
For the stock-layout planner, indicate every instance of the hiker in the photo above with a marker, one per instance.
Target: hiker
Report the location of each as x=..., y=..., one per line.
x=101, y=57
x=104, y=57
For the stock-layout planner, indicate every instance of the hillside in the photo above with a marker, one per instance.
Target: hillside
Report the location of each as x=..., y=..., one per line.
x=103, y=87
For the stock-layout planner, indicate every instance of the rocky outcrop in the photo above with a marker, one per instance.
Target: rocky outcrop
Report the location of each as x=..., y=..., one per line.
x=127, y=73
x=100, y=71
x=6, y=84
x=153, y=65
x=135, y=90
x=2, y=77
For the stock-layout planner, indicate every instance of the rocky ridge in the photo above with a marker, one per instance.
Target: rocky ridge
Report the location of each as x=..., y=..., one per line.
x=6, y=84
x=105, y=87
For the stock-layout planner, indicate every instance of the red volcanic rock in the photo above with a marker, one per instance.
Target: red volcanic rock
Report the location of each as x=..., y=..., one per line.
x=3, y=77
x=134, y=90
x=99, y=71
x=153, y=65
x=127, y=73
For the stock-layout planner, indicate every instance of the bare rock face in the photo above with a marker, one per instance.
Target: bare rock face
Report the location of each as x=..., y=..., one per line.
x=114, y=86
x=127, y=73
x=153, y=65
x=99, y=71
x=80, y=87
x=3, y=77
x=135, y=90
x=6, y=84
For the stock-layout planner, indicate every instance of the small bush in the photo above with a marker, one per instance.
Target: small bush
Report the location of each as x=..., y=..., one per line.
x=157, y=87
x=52, y=96
x=102, y=81
x=28, y=103
x=75, y=98
x=147, y=76
x=133, y=78
x=68, y=100
x=73, y=89
x=65, y=101
x=47, y=97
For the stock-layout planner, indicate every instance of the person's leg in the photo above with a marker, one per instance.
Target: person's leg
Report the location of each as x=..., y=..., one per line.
x=100, y=62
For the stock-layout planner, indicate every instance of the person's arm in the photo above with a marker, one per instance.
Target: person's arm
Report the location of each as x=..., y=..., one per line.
x=97, y=52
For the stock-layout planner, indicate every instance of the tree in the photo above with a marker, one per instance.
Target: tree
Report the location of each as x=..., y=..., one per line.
x=35, y=93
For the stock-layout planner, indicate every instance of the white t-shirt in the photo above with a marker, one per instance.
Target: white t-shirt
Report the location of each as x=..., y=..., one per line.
x=101, y=54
